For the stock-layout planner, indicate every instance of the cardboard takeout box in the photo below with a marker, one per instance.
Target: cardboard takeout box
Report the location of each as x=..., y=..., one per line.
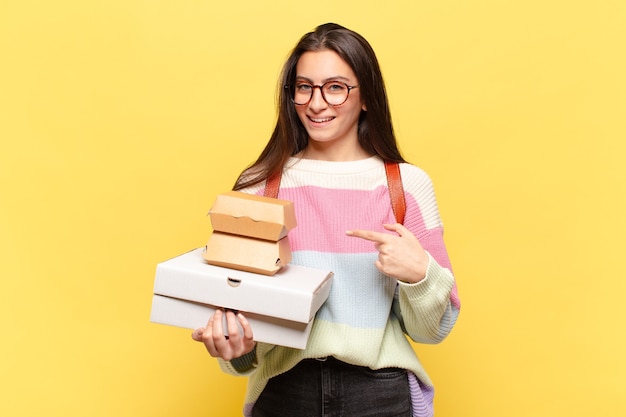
x=250, y=232
x=192, y=315
x=246, y=253
x=250, y=215
x=286, y=303
x=294, y=293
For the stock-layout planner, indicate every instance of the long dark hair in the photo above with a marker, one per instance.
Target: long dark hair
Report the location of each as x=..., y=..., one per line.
x=375, y=130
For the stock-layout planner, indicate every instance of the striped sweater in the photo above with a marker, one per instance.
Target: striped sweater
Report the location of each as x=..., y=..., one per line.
x=366, y=316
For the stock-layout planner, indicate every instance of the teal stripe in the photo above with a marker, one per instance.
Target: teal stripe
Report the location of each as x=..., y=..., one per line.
x=361, y=296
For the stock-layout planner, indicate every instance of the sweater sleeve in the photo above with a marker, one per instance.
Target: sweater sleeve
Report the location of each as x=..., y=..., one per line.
x=246, y=364
x=429, y=309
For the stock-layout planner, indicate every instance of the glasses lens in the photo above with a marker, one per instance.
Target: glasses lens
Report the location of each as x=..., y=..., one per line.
x=302, y=93
x=335, y=92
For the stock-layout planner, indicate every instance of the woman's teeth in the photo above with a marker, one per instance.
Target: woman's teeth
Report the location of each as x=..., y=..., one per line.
x=327, y=119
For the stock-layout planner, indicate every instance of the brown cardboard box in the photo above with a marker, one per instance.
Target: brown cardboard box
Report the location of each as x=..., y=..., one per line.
x=249, y=215
x=250, y=232
x=248, y=254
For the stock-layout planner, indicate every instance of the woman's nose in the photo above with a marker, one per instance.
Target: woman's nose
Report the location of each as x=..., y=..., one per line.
x=317, y=100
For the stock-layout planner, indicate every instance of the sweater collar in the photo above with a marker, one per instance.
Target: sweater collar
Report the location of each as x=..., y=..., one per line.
x=334, y=167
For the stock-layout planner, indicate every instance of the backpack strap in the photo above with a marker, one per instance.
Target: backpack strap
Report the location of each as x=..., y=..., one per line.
x=394, y=183
x=272, y=185
x=396, y=190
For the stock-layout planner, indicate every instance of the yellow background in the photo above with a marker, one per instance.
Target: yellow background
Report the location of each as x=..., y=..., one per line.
x=121, y=120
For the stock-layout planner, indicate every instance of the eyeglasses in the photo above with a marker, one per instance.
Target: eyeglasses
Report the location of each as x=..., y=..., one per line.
x=335, y=93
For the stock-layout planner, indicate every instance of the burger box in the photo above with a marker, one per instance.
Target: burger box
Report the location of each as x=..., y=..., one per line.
x=247, y=253
x=252, y=215
x=250, y=232
x=285, y=302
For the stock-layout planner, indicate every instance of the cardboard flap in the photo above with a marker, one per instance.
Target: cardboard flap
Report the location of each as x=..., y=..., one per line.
x=250, y=215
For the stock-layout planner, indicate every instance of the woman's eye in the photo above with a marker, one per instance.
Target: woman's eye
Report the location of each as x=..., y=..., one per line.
x=303, y=87
x=335, y=87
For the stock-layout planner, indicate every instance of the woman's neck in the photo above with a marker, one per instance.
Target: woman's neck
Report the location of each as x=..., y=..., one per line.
x=331, y=152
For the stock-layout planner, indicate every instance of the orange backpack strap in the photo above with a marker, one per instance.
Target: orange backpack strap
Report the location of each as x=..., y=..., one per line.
x=272, y=185
x=396, y=190
x=394, y=183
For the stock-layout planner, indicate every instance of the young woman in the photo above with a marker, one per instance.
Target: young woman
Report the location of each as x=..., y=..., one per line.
x=331, y=141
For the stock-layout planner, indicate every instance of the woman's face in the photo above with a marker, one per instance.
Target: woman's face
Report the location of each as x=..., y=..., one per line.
x=329, y=126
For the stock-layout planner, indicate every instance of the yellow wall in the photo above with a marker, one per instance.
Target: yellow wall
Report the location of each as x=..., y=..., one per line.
x=120, y=121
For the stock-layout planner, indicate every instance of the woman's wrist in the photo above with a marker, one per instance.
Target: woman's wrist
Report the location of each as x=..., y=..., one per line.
x=245, y=362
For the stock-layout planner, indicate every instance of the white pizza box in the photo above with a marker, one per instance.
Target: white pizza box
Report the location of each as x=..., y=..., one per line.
x=294, y=293
x=192, y=315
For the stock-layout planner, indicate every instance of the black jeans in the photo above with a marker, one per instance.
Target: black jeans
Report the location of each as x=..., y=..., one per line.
x=331, y=388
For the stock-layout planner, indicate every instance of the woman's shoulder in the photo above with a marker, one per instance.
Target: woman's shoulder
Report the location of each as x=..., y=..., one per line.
x=412, y=175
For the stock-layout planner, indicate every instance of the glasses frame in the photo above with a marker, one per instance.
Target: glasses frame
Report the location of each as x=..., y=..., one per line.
x=313, y=87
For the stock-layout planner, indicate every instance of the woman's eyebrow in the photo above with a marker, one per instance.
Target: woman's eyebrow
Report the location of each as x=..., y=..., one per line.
x=334, y=78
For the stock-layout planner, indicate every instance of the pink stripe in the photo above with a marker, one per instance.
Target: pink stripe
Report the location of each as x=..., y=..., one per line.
x=433, y=243
x=324, y=215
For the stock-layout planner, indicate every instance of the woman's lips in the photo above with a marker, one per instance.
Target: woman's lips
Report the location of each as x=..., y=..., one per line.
x=321, y=120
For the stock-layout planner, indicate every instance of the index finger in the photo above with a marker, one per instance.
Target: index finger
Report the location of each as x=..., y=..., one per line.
x=245, y=325
x=369, y=235
x=218, y=329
